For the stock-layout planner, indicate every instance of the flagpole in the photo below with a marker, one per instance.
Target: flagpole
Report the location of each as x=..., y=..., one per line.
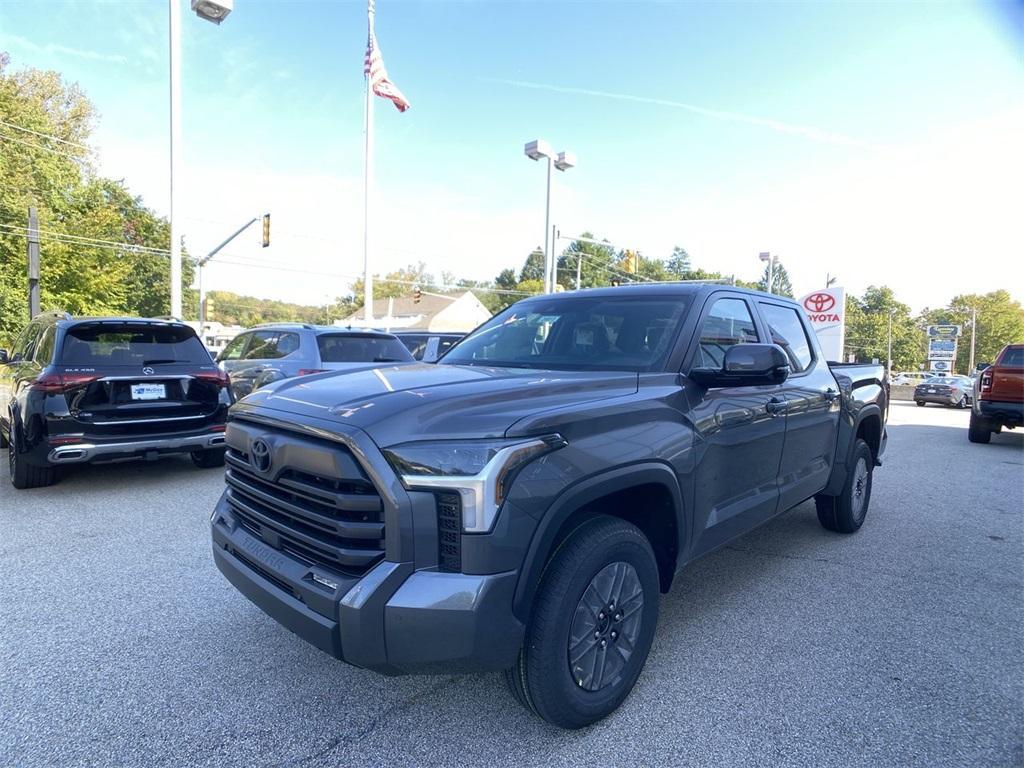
x=368, y=185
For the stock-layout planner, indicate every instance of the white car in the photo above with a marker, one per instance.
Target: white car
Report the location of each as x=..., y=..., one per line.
x=912, y=377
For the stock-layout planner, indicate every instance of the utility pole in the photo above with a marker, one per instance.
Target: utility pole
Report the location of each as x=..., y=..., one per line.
x=888, y=358
x=177, y=180
x=974, y=328
x=33, y=263
x=579, y=268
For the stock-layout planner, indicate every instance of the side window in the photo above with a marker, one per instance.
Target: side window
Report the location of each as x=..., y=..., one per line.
x=271, y=345
x=44, y=350
x=18, y=350
x=788, y=332
x=235, y=347
x=31, y=341
x=727, y=324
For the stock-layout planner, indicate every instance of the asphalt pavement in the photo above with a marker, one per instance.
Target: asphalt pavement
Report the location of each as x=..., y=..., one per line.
x=122, y=645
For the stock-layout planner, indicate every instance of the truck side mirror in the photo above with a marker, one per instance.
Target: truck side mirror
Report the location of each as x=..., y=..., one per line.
x=746, y=365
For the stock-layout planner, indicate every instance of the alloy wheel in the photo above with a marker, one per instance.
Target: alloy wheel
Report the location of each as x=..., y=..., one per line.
x=605, y=627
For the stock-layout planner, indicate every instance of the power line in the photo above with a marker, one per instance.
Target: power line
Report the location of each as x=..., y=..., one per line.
x=45, y=135
x=67, y=239
x=45, y=149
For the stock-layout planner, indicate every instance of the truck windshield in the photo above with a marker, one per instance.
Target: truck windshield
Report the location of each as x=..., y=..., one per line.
x=576, y=333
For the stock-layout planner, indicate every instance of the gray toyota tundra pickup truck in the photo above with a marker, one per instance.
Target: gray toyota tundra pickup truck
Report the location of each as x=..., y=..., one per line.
x=520, y=505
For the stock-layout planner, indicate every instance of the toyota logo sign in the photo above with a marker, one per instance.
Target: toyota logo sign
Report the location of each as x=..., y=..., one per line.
x=259, y=456
x=819, y=302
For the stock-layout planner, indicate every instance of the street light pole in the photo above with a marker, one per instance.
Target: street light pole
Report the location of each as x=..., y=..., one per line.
x=888, y=358
x=974, y=328
x=535, y=150
x=766, y=256
x=174, y=26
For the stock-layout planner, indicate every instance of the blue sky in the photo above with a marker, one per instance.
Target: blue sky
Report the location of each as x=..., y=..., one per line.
x=852, y=138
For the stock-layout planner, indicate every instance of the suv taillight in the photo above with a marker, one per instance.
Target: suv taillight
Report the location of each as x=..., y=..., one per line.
x=57, y=383
x=986, y=382
x=218, y=377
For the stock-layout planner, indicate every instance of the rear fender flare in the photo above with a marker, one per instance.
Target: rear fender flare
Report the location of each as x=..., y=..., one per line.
x=848, y=433
x=579, y=495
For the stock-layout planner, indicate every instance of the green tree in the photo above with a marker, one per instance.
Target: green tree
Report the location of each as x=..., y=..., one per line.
x=533, y=267
x=76, y=209
x=679, y=265
x=867, y=329
x=1000, y=322
x=781, y=285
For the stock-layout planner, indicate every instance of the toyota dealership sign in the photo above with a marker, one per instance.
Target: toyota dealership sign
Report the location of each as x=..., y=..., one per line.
x=826, y=310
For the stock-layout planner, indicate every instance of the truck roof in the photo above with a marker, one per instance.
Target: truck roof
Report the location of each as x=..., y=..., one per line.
x=664, y=289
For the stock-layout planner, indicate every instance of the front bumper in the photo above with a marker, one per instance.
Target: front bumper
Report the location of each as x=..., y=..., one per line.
x=393, y=620
x=112, y=450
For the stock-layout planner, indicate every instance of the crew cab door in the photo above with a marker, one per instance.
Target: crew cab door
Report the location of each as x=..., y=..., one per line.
x=812, y=405
x=740, y=432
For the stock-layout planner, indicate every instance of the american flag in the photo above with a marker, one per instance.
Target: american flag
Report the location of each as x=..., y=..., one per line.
x=373, y=68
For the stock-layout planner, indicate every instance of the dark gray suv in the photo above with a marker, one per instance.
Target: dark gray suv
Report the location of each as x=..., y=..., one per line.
x=278, y=351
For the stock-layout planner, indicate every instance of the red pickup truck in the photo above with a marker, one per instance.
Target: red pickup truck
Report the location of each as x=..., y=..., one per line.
x=999, y=396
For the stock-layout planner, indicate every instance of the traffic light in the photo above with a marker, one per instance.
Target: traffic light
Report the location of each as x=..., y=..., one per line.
x=631, y=262
x=266, y=229
x=417, y=294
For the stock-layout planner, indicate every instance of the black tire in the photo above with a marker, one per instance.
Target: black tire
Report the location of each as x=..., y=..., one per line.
x=604, y=560
x=920, y=403
x=208, y=458
x=963, y=402
x=3, y=438
x=23, y=474
x=979, y=430
x=845, y=513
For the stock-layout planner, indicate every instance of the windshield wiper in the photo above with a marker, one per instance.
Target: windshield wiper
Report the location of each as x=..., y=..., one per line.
x=158, y=361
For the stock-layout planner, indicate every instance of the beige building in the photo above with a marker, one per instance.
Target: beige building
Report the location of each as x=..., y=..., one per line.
x=438, y=312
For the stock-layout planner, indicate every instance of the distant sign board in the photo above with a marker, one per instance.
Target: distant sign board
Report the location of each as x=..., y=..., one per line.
x=943, y=331
x=826, y=309
x=939, y=366
x=942, y=349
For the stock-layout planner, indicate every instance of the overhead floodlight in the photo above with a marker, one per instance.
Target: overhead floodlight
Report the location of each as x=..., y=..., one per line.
x=213, y=10
x=565, y=161
x=535, y=150
x=764, y=256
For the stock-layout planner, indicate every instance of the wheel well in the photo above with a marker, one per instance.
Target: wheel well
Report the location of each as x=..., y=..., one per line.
x=870, y=431
x=650, y=508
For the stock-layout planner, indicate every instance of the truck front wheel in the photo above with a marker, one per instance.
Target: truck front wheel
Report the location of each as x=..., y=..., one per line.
x=591, y=627
x=845, y=513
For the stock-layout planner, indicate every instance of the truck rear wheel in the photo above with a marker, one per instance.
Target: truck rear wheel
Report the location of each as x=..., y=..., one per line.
x=979, y=430
x=845, y=513
x=591, y=627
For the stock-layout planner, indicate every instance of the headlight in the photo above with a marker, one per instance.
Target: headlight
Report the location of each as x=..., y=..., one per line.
x=480, y=471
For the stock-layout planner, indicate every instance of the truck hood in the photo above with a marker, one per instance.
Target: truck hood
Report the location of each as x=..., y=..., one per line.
x=405, y=403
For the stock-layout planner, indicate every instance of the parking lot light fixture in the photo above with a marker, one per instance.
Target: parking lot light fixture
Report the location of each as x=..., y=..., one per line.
x=213, y=10
x=563, y=161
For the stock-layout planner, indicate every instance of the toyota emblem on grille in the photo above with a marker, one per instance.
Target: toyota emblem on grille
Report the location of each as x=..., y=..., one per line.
x=259, y=456
x=148, y=371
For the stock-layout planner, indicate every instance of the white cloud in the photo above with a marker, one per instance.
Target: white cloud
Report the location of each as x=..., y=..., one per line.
x=24, y=44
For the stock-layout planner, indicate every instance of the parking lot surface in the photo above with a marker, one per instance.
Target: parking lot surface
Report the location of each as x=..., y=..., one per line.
x=121, y=644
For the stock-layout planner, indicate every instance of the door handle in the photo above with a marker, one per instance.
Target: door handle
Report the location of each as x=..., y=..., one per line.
x=831, y=395
x=776, y=406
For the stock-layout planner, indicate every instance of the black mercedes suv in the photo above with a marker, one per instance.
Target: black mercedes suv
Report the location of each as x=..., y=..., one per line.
x=93, y=389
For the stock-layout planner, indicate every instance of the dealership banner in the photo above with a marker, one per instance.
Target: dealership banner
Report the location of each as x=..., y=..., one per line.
x=826, y=309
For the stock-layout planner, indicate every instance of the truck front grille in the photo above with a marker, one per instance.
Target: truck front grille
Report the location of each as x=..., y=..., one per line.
x=333, y=522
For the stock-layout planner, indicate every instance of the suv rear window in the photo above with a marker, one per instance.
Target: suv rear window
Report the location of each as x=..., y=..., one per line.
x=361, y=348
x=131, y=344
